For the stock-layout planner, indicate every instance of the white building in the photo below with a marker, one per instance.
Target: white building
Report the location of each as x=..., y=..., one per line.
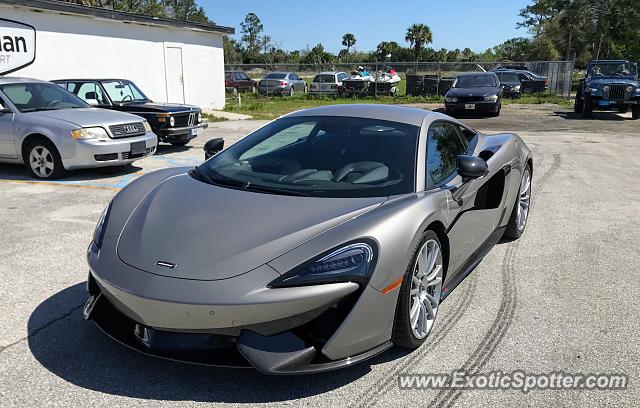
x=171, y=61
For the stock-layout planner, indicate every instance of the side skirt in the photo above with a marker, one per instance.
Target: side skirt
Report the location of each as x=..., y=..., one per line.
x=473, y=261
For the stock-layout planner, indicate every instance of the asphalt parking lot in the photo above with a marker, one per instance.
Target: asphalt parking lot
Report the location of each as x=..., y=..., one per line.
x=565, y=297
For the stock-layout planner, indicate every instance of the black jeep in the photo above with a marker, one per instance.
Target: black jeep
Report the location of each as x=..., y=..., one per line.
x=609, y=85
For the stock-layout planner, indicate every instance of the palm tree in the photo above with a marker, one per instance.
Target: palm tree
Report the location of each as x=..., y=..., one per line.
x=348, y=40
x=419, y=36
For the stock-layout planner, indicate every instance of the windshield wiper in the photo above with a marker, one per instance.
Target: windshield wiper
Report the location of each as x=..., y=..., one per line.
x=39, y=109
x=274, y=190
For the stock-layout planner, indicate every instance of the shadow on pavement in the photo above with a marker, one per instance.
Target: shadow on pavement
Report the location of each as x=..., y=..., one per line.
x=78, y=352
x=596, y=115
x=20, y=172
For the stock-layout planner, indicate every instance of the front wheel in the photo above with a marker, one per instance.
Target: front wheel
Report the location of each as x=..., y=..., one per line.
x=635, y=112
x=520, y=213
x=587, y=109
x=43, y=160
x=578, y=104
x=420, y=292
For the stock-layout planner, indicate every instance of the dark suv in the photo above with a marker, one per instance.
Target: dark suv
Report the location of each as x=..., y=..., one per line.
x=172, y=122
x=609, y=85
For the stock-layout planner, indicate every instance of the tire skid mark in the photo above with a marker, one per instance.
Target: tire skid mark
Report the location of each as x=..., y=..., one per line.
x=506, y=312
x=383, y=384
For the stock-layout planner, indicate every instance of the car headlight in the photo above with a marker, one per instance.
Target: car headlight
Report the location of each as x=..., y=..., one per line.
x=101, y=227
x=147, y=126
x=491, y=98
x=90, y=133
x=351, y=263
x=593, y=90
x=630, y=89
x=516, y=88
x=199, y=117
x=606, y=88
x=451, y=99
x=172, y=121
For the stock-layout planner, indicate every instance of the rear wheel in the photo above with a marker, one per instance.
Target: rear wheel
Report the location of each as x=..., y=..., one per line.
x=520, y=214
x=43, y=160
x=635, y=112
x=291, y=91
x=420, y=292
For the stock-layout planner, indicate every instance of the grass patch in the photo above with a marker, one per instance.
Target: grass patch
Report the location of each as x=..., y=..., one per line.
x=539, y=99
x=213, y=118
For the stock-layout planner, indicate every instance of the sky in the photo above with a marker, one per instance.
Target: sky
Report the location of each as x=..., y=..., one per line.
x=295, y=24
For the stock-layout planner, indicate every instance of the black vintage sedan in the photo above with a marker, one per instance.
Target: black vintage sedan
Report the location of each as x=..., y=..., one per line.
x=172, y=122
x=474, y=92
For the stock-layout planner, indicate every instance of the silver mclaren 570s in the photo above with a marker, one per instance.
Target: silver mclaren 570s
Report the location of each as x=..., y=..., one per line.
x=318, y=241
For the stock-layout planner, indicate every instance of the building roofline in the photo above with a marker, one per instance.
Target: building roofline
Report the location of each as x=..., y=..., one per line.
x=97, y=12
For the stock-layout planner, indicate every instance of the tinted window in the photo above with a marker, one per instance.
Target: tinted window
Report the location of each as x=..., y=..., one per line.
x=443, y=147
x=275, y=76
x=228, y=75
x=90, y=90
x=325, y=79
x=472, y=81
x=508, y=77
x=123, y=91
x=320, y=156
x=243, y=76
x=31, y=97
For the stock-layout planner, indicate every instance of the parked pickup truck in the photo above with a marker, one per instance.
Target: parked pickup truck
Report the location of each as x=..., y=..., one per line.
x=173, y=123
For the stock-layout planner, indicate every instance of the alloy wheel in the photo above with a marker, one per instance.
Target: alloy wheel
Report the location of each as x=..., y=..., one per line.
x=426, y=288
x=41, y=161
x=524, y=200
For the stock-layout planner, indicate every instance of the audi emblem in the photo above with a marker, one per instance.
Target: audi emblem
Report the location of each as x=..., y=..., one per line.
x=130, y=128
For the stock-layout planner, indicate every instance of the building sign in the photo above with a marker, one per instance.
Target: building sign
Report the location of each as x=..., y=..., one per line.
x=17, y=45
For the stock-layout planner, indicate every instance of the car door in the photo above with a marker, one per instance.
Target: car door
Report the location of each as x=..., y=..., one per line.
x=469, y=227
x=247, y=85
x=7, y=142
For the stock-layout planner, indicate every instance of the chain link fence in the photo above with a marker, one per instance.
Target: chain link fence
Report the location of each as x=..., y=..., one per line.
x=428, y=79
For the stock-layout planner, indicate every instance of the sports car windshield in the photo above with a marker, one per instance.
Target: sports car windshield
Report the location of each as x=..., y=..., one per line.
x=325, y=156
x=474, y=81
x=612, y=69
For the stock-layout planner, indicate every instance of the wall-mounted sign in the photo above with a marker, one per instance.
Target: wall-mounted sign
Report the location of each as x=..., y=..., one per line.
x=17, y=45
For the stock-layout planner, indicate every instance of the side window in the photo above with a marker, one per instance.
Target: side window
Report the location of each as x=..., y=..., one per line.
x=285, y=137
x=294, y=77
x=91, y=91
x=443, y=147
x=237, y=76
x=522, y=77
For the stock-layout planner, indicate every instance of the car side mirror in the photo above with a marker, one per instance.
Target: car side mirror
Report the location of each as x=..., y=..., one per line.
x=471, y=167
x=3, y=109
x=212, y=147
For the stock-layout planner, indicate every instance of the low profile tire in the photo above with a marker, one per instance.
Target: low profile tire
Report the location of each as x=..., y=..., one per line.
x=43, y=160
x=520, y=214
x=587, y=109
x=635, y=112
x=496, y=113
x=179, y=144
x=420, y=292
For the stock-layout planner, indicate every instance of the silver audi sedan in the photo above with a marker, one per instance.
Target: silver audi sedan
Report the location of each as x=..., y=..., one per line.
x=50, y=130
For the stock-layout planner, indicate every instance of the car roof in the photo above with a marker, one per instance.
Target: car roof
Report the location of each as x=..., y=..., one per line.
x=392, y=113
x=19, y=80
x=330, y=72
x=90, y=79
x=281, y=72
x=609, y=61
x=479, y=73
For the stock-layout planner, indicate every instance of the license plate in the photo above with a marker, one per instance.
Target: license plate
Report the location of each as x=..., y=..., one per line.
x=469, y=106
x=138, y=147
x=603, y=103
x=196, y=131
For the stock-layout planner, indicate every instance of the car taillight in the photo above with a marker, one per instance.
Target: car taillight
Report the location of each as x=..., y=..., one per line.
x=283, y=83
x=227, y=82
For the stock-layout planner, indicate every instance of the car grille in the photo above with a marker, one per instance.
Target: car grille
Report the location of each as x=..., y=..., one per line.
x=471, y=98
x=127, y=130
x=128, y=155
x=617, y=92
x=186, y=119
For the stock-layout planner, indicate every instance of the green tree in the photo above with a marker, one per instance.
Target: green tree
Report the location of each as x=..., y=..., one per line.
x=317, y=55
x=514, y=49
x=186, y=10
x=418, y=36
x=348, y=40
x=386, y=50
x=251, y=29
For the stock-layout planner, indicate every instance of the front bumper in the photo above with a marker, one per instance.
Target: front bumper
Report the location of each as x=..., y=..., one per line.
x=483, y=107
x=180, y=134
x=108, y=152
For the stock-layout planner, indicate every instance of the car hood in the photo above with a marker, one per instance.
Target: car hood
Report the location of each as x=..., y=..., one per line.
x=87, y=117
x=150, y=107
x=479, y=91
x=612, y=80
x=212, y=233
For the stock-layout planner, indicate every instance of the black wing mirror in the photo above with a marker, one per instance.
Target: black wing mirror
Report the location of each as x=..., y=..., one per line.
x=212, y=147
x=471, y=167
